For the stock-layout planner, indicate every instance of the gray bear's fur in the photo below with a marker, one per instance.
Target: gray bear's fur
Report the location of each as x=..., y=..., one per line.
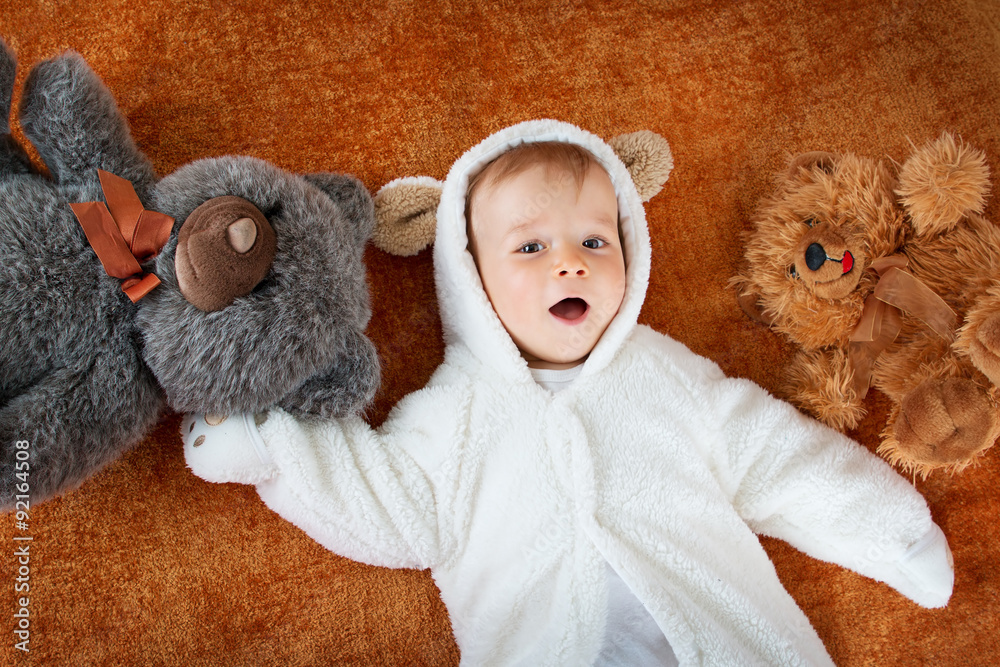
x=84, y=372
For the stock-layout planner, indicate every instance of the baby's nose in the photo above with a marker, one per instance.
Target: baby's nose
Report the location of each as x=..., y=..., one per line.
x=571, y=264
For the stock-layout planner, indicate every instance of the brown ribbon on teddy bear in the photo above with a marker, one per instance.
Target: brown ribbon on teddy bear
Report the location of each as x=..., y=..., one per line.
x=125, y=235
x=896, y=292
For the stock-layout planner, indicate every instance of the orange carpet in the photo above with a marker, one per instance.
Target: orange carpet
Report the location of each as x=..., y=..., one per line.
x=146, y=564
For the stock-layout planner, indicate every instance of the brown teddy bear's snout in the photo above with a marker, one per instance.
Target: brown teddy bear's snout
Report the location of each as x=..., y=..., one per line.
x=224, y=249
x=825, y=261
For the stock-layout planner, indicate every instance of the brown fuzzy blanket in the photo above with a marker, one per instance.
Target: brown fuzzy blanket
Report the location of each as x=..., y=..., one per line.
x=146, y=564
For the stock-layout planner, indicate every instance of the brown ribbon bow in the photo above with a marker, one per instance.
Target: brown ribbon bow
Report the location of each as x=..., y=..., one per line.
x=125, y=235
x=896, y=292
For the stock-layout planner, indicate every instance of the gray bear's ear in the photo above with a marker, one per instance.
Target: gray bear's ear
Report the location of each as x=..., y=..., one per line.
x=351, y=196
x=406, y=215
x=648, y=159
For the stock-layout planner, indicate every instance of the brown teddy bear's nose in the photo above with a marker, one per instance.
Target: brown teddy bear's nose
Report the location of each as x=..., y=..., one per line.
x=224, y=249
x=815, y=256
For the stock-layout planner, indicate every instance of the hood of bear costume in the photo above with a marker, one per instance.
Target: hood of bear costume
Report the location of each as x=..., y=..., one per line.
x=466, y=313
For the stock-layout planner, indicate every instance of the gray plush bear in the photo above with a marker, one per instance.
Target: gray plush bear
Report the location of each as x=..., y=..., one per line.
x=262, y=297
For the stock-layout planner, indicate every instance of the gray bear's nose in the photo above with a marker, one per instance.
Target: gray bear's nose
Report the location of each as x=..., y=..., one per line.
x=815, y=256
x=242, y=234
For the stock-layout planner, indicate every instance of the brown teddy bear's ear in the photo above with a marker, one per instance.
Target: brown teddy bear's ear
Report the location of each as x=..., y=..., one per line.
x=648, y=159
x=943, y=182
x=406, y=215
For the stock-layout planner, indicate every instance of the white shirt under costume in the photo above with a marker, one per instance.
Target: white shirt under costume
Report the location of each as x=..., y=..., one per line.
x=651, y=462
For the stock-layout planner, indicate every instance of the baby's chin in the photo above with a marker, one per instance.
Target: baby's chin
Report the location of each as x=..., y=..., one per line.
x=548, y=364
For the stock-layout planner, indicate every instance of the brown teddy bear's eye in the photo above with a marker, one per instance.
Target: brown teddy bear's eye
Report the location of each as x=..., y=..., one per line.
x=792, y=272
x=810, y=222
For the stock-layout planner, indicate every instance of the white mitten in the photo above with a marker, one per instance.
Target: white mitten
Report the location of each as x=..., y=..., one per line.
x=226, y=449
x=925, y=573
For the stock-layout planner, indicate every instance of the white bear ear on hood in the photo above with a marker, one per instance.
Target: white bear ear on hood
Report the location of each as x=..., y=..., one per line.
x=648, y=159
x=406, y=215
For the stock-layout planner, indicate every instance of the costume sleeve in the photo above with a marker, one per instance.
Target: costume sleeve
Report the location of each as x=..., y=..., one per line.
x=357, y=491
x=793, y=478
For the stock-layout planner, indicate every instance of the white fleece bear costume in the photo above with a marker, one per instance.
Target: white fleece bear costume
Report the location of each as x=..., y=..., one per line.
x=652, y=461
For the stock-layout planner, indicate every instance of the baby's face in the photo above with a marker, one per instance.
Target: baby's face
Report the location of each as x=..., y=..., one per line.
x=551, y=261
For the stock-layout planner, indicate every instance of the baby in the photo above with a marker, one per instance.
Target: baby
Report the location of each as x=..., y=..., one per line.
x=584, y=489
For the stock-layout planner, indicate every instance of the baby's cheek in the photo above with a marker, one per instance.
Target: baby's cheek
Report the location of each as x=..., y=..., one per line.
x=511, y=297
x=607, y=308
x=520, y=284
x=615, y=297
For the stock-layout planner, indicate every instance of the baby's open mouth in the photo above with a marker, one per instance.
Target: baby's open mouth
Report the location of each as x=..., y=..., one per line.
x=570, y=309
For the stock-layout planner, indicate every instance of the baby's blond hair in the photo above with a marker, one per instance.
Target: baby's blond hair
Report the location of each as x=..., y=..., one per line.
x=550, y=154
x=553, y=155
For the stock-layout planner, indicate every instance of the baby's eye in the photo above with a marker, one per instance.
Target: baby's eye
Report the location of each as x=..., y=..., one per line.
x=531, y=247
x=594, y=243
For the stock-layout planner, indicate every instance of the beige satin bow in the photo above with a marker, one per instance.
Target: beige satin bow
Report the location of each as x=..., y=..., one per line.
x=896, y=292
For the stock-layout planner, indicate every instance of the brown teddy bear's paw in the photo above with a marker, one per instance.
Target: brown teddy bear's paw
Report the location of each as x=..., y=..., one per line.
x=943, y=423
x=984, y=348
x=821, y=383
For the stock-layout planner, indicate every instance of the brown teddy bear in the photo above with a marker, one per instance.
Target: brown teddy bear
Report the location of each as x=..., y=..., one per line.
x=886, y=278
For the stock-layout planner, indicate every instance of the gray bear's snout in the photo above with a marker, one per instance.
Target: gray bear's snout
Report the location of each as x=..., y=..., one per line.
x=224, y=249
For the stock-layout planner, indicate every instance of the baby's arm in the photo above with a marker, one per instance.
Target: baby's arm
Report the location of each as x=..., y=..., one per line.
x=356, y=491
x=793, y=478
x=800, y=481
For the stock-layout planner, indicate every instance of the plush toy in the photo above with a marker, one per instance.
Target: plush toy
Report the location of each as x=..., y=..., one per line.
x=886, y=278
x=227, y=286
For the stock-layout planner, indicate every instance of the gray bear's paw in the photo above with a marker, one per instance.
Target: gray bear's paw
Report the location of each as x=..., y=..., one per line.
x=72, y=119
x=27, y=472
x=8, y=71
x=13, y=159
x=346, y=388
